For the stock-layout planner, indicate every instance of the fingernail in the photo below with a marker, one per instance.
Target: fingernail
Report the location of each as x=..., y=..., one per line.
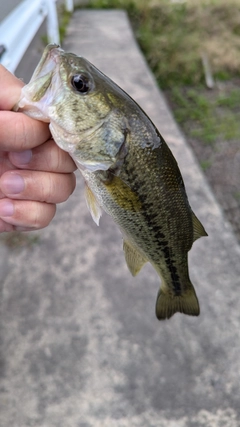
x=21, y=157
x=6, y=208
x=12, y=184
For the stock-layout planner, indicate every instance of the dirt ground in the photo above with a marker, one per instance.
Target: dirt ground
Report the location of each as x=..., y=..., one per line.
x=223, y=176
x=222, y=165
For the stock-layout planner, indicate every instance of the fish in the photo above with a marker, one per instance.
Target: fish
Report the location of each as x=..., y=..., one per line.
x=128, y=169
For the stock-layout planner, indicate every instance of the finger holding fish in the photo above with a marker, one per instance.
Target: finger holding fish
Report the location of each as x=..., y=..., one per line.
x=22, y=215
x=24, y=185
x=45, y=157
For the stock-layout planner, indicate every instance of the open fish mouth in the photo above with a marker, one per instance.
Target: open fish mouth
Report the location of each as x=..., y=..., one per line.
x=40, y=92
x=48, y=61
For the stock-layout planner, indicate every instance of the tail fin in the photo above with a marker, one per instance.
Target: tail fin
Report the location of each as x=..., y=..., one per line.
x=168, y=304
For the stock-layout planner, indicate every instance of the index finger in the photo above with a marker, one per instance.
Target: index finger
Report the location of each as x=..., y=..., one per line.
x=17, y=131
x=20, y=132
x=10, y=88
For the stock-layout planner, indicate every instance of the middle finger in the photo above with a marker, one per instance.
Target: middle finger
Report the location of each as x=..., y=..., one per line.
x=36, y=185
x=46, y=157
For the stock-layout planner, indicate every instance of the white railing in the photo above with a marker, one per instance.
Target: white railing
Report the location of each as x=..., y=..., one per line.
x=19, y=28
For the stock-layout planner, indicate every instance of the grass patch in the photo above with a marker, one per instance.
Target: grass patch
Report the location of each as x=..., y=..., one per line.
x=63, y=20
x=173, y=37
x=237, y=196
x=205, y=164
x=64, y=17
x=230, y=100
x=17, y=240
x=207, y=115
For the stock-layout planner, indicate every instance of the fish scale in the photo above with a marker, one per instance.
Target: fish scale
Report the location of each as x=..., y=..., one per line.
x=128, y=169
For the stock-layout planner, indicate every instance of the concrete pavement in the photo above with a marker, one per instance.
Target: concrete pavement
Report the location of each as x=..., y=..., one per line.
x=80, y=344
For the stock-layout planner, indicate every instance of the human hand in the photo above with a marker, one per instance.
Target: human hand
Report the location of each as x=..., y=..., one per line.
x=35, y=174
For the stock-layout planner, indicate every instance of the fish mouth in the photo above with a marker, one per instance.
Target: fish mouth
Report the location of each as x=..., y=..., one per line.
x=39, y=93
x=50, y=58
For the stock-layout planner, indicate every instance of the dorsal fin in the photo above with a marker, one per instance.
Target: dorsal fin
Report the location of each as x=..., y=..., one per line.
x=198, y=229
x=134, y=259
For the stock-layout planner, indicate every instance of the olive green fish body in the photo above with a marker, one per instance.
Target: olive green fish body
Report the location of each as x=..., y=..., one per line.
x=153, y=230
x=128, y=168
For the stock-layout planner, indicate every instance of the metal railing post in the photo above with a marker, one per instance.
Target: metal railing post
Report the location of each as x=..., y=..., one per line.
x=19, y=28
x=52, y=22
x=69, y=5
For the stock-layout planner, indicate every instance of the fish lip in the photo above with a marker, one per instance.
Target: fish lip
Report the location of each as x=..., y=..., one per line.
x=45, y=71
x=50, y=58
x=54, y=52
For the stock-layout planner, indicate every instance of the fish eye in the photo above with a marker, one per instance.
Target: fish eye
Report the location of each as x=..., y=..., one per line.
x=80, y=82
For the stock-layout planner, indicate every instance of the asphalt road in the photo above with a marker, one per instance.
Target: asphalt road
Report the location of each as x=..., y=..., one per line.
x=80, y=344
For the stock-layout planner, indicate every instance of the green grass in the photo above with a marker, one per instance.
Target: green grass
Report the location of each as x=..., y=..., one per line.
x=173, y=36
x=205, y=164
x=64, y=17
x=18, y=240
x=237, y=196
x=230, y=100
x=63, y=20
x=207, y=116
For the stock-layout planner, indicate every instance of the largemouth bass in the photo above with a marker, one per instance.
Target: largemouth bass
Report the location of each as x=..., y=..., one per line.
x=127, y=166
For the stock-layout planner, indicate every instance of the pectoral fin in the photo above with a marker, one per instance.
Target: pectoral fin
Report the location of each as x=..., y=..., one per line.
x=122, y=194
x=134, y=260
x=92, y=165
x=93, y=205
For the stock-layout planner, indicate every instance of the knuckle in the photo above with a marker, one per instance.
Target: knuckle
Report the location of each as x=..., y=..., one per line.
x=20, y=134
x=58, y=187
x=44, y=213
x=73, y=182
x=5, y=227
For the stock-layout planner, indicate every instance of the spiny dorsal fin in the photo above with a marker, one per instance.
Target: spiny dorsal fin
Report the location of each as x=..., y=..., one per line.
x=198, y=229
x=93, y=205
x=134, y=260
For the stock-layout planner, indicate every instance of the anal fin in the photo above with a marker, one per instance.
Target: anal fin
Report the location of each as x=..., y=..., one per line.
x=93, y=205
x=134, y=259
